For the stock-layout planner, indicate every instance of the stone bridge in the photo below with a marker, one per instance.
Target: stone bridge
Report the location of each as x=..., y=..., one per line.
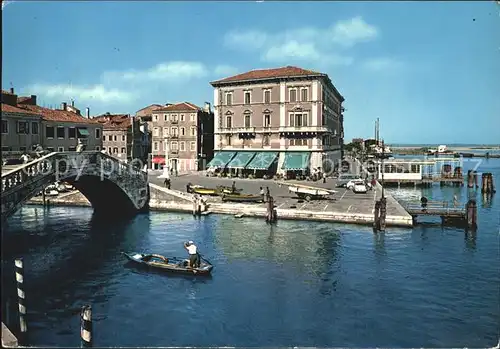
x=111, y=186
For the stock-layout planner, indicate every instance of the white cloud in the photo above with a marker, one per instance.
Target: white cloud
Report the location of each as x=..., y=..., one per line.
x=225, y=70
x=97, y=93
x=321, y=45
x=382, y=64
x=355, y=30
x=166, y=71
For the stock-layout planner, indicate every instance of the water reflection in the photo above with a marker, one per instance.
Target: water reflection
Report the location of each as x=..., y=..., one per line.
x=470, y=240
x=487, y=199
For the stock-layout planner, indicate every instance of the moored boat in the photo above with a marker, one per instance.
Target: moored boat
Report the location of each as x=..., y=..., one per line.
x=173, y=264
x=242, y=198
x=203, y=191
x=227, y=190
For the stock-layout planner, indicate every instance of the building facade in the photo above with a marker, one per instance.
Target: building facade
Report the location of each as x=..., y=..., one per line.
x=284, y=110
x=26, y=124
x=183, y=137
x=122, y=136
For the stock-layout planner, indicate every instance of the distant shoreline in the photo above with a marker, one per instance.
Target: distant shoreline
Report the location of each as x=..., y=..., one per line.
x=457, y=149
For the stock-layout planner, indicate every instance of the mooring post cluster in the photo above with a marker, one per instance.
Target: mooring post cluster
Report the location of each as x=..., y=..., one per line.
x=487, y=184
x=380, y=214
x=471, y=214
x=271, y=213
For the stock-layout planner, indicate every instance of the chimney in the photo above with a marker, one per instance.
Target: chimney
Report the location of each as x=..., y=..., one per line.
x=72, y=103
x=207, y=107
x=63, y=105
x=12, y=90
x=87, y=113
x=33, y=99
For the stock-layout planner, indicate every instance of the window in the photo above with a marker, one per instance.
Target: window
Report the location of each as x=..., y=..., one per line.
x=174, y=118
x=303, y=95
x=182, y=117
x=267, y=120
x=166, y=131
x=124, y=138
x=72, y=133
x=97, y=133
x=229, y=98
x=293, y=95
x=248, y=96
x=155, y=117
x=183, y=131
x=6, y=148
x=156, y=132
x=71, y=148
x=5, y=126
x=265, y=140
x=114, y=138
x=155, y=146
x=298, y=142
x=298, y=119
x=247, y=120
x=103, y=137
x=174, y=146
x=123, y=150
x=109, y=150
x=228, y=139
x=175, y=132
x=49, y=131
x=60, y=149
x=34, y=128
x=60, y=132
x=165, y=117
x=23, y=127
x=193, y=117
x=267, y=96
x=98, y=148
x=193, y=146
x=182, y=146
x=229, y=122
x=115, y=150
x=193, y=131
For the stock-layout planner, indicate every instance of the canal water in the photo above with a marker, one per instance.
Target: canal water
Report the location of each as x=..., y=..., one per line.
x=298, y=283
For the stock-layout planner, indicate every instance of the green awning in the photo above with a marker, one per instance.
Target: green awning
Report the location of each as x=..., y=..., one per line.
x=263, y=160
x=241, y=159
x=83, y=132
x=298, y=160
x=221, y=159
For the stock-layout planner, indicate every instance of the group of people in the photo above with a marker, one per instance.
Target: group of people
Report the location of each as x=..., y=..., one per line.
x=265, y=194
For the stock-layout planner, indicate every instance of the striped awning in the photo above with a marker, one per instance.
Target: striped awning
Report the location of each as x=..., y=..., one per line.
x=221, y=159
x=296, y=161
x=241, y=160
x=262, y=160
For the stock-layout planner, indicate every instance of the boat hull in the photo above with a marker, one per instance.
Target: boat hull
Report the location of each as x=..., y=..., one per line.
x=171, y=265
x=242, y=198
x=204, y=191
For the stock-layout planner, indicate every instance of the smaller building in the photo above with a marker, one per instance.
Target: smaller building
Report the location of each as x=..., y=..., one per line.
x=123, y=137
x=26, y=125
x=183, y=137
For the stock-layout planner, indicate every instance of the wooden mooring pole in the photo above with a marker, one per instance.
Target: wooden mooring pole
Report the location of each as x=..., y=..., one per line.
x=470, y=179
x=86, y=326
x=21, y=298
x=487, y=184
x=475, y=179
x=471, y=214
x=376, y=216
x=271, y=213
x=383, y=213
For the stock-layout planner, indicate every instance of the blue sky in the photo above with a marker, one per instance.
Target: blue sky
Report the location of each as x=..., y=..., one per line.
x=430, y=70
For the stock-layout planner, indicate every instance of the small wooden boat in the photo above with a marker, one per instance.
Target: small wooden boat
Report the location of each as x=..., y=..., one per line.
x=174, y=265
x=196, y=189
x=227, y=190
x=242, y=198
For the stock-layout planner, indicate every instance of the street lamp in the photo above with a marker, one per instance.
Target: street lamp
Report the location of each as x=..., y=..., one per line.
x=383, y=156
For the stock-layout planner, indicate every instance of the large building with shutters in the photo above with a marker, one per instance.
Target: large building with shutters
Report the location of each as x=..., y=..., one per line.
x=285, y=120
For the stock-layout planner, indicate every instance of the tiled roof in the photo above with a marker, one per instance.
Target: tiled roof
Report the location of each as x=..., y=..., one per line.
x=57, y=115
x=7, y=92
x=183, y=106
x=6, y=108
x=147, y=110
x=261, y=74
x=114, y=121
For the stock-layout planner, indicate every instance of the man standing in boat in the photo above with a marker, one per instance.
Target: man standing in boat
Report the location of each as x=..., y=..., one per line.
x=194, y=257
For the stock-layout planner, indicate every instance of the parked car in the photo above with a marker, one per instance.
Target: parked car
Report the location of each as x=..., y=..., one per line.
x=359, y=187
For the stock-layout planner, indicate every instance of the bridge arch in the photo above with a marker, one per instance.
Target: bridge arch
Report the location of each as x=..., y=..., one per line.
x=110, y=185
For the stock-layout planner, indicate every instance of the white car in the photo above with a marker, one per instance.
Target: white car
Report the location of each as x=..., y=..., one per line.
x=359, y=187
x=350, y=184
